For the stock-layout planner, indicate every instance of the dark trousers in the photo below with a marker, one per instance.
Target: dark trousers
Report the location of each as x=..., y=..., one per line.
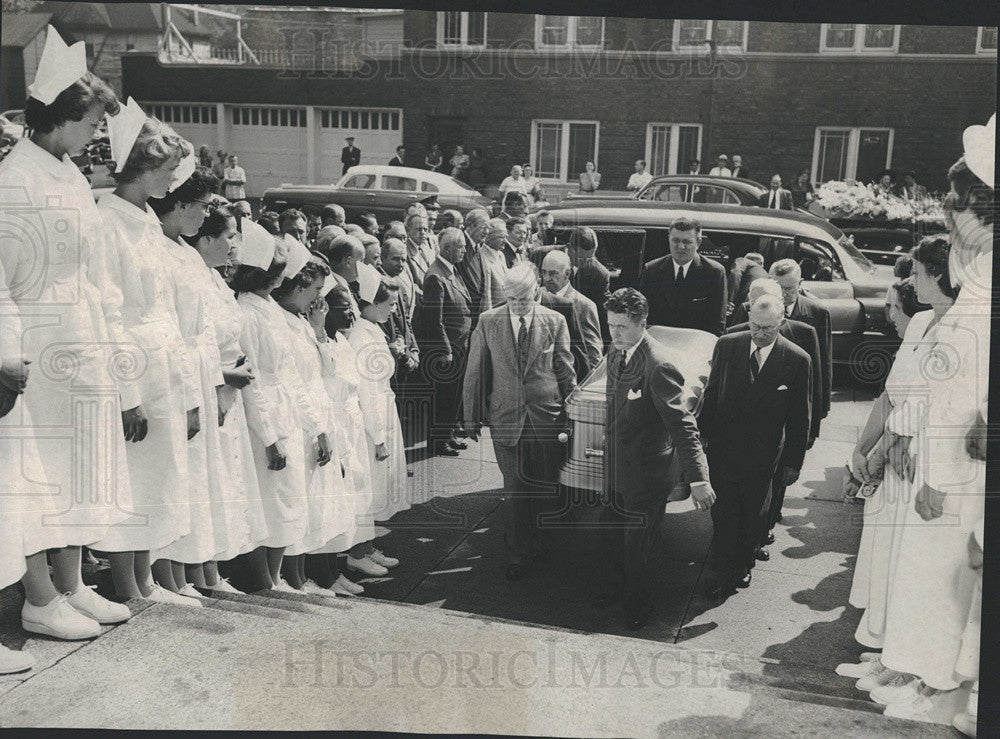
x=443, y=381
x=739, y=517
x=631, y=526
x=530, y=470
x=777, y=498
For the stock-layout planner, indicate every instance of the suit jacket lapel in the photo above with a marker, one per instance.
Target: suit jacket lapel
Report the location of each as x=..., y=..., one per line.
x=768, y=371
x=536, y=334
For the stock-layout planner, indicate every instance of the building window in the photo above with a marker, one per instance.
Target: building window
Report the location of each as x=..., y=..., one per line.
x=560, y=150
x=851, y=153
x=691, y=34
x=462, y=30
x=670, y=147
x=871, y=38
x=569, y=31
x=986, y=43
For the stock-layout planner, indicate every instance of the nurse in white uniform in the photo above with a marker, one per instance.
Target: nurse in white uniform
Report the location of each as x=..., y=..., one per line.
x=275, y=414
x=217, y=243
x=74, y=487
x=217, y=526
x=147, y=154
x=934, y=588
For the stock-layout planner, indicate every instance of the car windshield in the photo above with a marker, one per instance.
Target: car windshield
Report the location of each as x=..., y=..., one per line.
x=856, y=256
x=462, y=186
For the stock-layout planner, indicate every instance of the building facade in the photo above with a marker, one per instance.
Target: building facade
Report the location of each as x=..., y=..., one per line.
x=840, y=101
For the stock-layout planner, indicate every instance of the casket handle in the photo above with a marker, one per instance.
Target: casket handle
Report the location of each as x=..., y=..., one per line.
x=589, y=452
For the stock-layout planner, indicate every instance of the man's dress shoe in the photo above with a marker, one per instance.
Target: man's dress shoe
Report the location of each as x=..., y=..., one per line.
x=769, y=539
x=744, y=582
x=762, y=554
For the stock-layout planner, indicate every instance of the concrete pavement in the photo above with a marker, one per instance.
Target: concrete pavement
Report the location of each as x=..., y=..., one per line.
x=446, y=644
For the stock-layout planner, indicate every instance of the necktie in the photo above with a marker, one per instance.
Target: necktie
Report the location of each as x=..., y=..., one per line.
x=754, y=365
x=522, y=346
x=774, y=199
x=680, y=274
x=622, y=361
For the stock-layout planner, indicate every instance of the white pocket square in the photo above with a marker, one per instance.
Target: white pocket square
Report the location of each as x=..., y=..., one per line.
x=634, y=394
x=548, y=351
x=782, y=387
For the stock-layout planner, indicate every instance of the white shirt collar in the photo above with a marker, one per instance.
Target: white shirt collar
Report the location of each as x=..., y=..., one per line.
x=765, y=351
x=515, y=320
x=789, y=309
x=564, y=290
x=678, y=267
x=631, y=350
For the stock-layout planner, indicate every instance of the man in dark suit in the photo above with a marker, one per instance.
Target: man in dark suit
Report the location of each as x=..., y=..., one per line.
x=350, y=156
x=776, y=198
x=397, y=161
x=556, y=270
x=473, y=270
x=564, y=307
x=647, y=422
x=744, y=271
x=685, y=289
x=804, y=337
x=443, y=330
x=591, y=278
x=519, y=375
x=801, y=307
x=755, y=422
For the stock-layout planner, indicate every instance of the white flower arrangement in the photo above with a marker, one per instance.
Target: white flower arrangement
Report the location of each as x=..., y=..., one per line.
x=841, y=199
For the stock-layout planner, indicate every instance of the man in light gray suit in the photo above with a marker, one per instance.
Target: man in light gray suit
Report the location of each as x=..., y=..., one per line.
x=519, y=374
x=556, y=272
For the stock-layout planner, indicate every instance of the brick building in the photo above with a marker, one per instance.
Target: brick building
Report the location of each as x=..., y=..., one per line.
x=842, y=101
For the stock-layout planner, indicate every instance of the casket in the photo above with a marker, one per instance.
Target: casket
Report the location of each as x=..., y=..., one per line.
x=690, y=352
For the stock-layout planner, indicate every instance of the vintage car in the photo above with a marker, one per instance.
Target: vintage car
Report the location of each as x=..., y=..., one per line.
x=379, y=189
x=883, y=242
x=631, y=233
x=681, y=188
x=691, y=353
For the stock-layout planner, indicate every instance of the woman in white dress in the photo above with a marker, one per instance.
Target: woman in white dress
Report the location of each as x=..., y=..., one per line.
x=275, y=413
x=148, y=153
x=340, y=375
x=217, y=525
x=299, y=290
x=894, y=420
x=52, y=256
x=17, y=548
x=376, y=365
x=217, y=243
x=933, y=592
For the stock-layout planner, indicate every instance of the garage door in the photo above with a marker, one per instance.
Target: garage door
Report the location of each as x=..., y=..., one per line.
x=376, y=131
x=271, y=145
x=197, y=123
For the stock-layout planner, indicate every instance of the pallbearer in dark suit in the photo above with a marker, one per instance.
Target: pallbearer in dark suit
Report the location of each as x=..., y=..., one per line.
x=647, y=423
x=591, y=278
x=443, y=329
x=755, y=421
x=685, y=289
x=473, y=270
x=519, y=374
x=804, y=337
x=801, y=307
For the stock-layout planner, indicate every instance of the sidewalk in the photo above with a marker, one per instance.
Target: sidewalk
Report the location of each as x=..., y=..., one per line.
x=462, y=650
